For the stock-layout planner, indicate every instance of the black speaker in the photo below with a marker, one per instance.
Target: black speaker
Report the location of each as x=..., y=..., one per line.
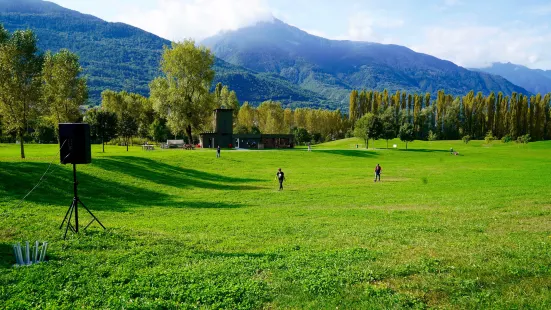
x=75, y=144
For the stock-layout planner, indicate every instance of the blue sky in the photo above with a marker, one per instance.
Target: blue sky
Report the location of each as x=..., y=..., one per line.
x=467, y=32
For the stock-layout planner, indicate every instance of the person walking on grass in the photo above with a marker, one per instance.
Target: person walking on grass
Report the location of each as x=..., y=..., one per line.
x=218, y=152
x=378, y=170
x=280, y=176
x=309, y=147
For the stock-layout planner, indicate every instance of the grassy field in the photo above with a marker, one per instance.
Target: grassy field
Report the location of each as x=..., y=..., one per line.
x=187, y=230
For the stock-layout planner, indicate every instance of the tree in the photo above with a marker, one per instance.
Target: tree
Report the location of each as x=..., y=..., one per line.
x=466, y=139
x=406, y=133
x=389, y=127
x=158, y=130
x=182, y=94
x=302, y=135
x=353, y=105
x=128, y=127
x=63, y=90
x=103, y=125
x=368, y=127
x=20, y=83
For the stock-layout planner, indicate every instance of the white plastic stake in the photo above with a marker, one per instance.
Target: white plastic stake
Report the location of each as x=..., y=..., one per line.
x=17, y=262
x=44, y=248
x=28, y=253
x=20, y=254
x=35, y=258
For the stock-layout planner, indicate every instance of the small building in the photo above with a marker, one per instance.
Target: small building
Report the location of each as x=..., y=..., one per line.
x=223, y=136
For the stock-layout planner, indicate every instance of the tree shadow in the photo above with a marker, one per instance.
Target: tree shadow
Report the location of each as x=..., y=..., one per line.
x=350, y=153
x=17, y=178
x=7, y=258
x=169, y=175
x=424, y=150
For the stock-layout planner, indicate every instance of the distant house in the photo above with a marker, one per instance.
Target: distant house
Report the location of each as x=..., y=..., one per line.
x=223, y=136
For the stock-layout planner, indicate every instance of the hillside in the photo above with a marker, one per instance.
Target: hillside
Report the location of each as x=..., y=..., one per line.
x=121, y=57
x=533, y=80
x=332, y=68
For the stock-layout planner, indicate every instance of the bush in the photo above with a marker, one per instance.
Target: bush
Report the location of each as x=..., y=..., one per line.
x=506, y=139
x=432, y=136
x=524, y=139
x=466, y=139
x=489, y=137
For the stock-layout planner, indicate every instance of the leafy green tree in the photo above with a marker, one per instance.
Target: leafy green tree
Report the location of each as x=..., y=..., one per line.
x=43, y=131
x=389, y=126
x=63, y=89
x=128, y=127
x=301, y=135
x=103, y=125
x=368, y=127
x=182, y=94
x=466, y=139
x=158, y=130
x=20, y=81
x=406, y=133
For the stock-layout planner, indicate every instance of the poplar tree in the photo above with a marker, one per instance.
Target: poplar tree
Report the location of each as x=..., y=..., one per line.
x=353, y=105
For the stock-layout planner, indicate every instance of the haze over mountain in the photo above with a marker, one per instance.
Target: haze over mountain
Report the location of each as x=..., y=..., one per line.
x=332, y=68
x=533, y=80
x=270, y=60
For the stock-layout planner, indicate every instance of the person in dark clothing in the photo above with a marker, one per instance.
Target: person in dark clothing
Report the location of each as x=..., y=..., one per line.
x=378, y=170
x=280, y=176
x=218, y=152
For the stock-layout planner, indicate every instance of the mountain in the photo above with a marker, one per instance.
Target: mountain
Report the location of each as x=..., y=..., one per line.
x=121, y=57
x=332, y=68
x=533, y=80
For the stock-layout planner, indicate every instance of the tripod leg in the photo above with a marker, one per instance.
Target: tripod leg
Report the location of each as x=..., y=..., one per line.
x=92, y=214
x=69, y=220
x=67, y=214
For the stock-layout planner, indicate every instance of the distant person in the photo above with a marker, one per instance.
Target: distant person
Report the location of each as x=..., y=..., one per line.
x=451, y=151
x=309, y=147
x=378, y=170
x=218, y=152
x=280, y=176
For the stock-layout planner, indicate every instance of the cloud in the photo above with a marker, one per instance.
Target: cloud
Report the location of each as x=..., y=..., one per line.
x=479, y=46
x=371, y=26
x=198, y=19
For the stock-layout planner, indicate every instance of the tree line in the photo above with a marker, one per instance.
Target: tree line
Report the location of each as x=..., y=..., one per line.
x=448, y=117
x=39, y=91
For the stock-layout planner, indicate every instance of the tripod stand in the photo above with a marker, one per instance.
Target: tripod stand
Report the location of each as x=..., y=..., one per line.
x=74, y=208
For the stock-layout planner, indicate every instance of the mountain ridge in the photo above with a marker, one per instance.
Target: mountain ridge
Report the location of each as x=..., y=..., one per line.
x=287, y=64
x=119, y=57
x=323, y=65
x=533, y=80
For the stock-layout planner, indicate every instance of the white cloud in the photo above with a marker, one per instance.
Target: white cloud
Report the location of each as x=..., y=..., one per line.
x=198, y=19
x=479, y=46
x=371, y=26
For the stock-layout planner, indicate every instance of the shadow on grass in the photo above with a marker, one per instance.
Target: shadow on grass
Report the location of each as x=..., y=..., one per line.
x=6, y=255
x=168, y=175
x=423, y=150
x=350, y=153
x=17, y=178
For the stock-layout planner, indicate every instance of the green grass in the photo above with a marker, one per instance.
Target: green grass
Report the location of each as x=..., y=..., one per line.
x=185, y=230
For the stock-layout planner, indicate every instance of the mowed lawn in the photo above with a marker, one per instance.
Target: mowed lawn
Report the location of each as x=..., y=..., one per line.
x=188, y=230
